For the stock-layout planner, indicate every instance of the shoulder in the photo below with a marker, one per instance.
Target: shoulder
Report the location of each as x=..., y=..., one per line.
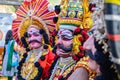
x=83, y=63
x=79, y=73
x=83, y=66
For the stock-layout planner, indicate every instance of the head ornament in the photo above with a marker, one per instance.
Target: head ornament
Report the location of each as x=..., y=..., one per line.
x=33, y=12
x=74, y=12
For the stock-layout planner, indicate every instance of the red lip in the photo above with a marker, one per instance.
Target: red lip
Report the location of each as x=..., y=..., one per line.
x=32, y=43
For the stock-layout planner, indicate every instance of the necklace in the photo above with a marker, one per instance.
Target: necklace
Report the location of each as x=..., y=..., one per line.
x=61, y=69
x=35, y=66
x=32, y=59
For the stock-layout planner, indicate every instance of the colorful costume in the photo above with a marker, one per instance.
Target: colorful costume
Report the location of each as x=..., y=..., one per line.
x=98, y=44
x=73, y=21
x=34, y=19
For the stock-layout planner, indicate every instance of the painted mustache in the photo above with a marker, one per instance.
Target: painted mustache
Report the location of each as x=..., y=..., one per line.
x=61, y=46
x=89, y=52
x=34, y=41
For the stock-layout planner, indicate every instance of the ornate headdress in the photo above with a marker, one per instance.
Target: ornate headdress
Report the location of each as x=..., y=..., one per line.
x=33, y=12
x=74, y=12
x=74, y=15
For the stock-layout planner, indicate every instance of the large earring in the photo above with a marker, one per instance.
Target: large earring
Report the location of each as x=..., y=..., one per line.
x=43, y=41
x=45, y=46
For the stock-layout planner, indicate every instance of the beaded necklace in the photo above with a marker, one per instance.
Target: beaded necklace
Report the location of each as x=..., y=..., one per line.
x=36, y=66
x=34, y=59
x=65, y=70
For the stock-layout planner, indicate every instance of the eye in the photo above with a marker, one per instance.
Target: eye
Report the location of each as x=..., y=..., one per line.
x=29, y=35
x=36, y=34
x=66, y=38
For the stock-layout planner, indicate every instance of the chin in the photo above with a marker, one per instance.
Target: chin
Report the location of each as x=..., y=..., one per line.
x=63, y=55
x=35, y=47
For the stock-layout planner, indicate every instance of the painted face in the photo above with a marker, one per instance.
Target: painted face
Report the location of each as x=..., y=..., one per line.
x=64, y=43
x=90, y=48
x=34, y=38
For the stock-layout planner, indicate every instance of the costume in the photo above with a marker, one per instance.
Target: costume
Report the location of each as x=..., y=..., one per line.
x=101, y=52
x=73, y=21
x=32, y=30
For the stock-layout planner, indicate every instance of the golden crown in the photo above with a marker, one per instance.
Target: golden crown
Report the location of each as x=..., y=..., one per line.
x=74, y=12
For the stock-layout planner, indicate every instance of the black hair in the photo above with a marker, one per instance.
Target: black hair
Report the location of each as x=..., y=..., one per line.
x=9, y=36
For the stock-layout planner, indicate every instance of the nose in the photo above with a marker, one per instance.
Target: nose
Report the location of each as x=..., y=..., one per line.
x=31, y=37
x=59, y=41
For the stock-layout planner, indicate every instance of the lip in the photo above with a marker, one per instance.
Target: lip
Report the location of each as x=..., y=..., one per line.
x=32, y=43
x=61, y=53
x=60, y=50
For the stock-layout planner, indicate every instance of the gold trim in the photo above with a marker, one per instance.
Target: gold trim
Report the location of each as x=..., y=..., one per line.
x=31, y=21
x=84, y=63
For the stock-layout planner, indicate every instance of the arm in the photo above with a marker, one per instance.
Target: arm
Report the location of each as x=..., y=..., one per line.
x=79, y=74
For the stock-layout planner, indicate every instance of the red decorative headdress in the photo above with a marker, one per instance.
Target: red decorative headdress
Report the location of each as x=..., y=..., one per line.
x=33, y=11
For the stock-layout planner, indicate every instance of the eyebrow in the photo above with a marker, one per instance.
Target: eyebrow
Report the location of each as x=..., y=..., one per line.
x=33, y=32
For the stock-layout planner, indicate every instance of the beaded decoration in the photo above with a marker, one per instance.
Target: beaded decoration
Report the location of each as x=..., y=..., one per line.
x=29, y=67
x=74, y=15
x=74, y=12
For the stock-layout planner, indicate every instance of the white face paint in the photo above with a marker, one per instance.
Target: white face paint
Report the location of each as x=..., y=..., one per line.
x=34, y=38
x=65, y=34
x=65, y=38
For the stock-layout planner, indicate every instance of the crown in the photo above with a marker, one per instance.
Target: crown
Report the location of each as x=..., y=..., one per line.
x=32, y=12
x=73, y=12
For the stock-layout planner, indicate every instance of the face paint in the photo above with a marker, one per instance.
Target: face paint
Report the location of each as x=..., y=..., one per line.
x=33, y=33
x=64, y=42
x=66, y=49
x=34, y=38
x=65, y=35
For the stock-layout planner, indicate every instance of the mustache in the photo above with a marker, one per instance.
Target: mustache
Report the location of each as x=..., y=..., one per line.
x=34, y=41
x=61, y=46
x=90, y=54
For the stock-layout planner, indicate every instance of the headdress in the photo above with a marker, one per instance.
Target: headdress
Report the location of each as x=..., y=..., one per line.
x=33, y=12
x=74, y=15
x=74, y=12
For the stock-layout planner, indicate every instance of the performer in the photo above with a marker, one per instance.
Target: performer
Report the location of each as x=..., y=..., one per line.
x=72, y=24
x=30, y=30
x=100, y=59
x=97, y=45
